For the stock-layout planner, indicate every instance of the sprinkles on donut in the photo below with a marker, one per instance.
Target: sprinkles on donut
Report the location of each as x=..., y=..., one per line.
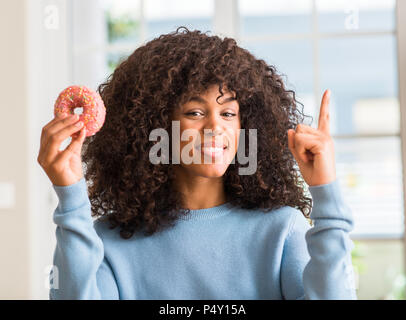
x=94, y=111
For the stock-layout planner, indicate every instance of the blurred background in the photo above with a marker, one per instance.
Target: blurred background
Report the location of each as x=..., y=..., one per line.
x=355, y=48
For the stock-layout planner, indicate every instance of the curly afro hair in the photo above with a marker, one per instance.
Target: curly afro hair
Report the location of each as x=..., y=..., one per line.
x=129, y=191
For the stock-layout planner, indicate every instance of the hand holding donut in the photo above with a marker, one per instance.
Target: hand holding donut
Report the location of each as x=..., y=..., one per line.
x=65, y=167
x=313, y=149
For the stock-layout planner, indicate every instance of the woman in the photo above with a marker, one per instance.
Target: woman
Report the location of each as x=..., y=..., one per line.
x=200, y=229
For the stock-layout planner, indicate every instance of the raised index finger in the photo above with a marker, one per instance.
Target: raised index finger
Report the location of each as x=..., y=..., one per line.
x=324, y=115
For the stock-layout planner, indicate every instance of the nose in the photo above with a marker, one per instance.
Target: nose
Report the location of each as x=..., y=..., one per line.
x=213, y=126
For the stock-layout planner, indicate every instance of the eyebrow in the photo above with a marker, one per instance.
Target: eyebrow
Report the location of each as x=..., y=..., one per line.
x=203, y=101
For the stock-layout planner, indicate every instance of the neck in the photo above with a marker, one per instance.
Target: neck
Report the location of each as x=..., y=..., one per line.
x=199, y=192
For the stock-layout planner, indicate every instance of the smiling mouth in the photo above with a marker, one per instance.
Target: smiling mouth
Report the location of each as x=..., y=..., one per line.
x=212, y=150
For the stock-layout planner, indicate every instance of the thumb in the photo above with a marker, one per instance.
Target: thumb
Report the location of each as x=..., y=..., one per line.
x=291, y=144
x=291, y=140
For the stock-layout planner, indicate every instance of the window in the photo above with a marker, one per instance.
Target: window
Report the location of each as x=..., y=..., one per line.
x=126, y=24
x=164, y=16
x=350, y=48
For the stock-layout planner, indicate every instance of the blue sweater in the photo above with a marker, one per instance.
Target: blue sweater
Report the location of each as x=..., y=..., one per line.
x=223, y=252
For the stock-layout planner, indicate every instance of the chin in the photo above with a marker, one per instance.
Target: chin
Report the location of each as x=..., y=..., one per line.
x=212, y=170
x=207, y=170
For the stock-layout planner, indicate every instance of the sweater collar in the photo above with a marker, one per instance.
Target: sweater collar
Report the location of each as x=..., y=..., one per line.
x=208, y=213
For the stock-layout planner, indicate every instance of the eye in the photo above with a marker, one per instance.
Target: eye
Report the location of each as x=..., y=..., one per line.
x=193, y=113
x=229, y=114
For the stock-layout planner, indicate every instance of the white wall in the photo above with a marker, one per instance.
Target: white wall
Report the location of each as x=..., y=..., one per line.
x=49, y=71
x=14, y=224
x=35, y=61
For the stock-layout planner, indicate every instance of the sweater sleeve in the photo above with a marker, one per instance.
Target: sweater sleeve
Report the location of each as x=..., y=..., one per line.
x=317, y=260
x=80, y=270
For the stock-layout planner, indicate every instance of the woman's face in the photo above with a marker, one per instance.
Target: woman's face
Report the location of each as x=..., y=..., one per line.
x=211, y=132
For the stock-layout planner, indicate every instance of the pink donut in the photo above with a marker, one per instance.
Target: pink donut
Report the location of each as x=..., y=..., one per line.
x=94, y=111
